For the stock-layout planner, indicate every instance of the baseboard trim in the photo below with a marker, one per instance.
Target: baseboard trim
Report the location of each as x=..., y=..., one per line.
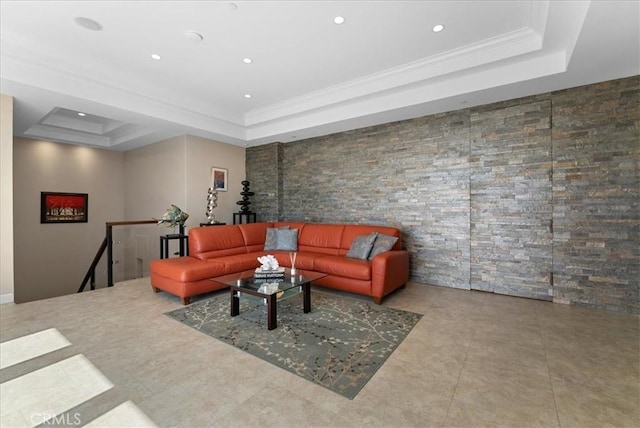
x=6, y=298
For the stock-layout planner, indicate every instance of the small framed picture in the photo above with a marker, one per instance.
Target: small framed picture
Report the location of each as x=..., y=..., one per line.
x=219, y=179
x=56, y=207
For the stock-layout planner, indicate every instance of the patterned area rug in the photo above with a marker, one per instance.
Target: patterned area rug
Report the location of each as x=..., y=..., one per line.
x=340, y=344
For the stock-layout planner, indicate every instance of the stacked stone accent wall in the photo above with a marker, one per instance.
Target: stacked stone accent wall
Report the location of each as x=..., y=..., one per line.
x=596, y=147
x=511, y=209
x=266, y=181
x=475, y=192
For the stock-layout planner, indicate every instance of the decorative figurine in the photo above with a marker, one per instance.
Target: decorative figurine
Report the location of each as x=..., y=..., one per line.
x=244, y=203
x=212, y=202
x=269, y=263
x=173, y=217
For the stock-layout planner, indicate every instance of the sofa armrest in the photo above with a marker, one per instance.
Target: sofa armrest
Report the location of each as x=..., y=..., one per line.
x=389, y=271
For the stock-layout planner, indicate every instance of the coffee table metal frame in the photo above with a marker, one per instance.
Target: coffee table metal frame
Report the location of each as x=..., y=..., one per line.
x=244, y=283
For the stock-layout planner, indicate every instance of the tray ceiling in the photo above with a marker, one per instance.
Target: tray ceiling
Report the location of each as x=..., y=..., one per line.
x=254, y=72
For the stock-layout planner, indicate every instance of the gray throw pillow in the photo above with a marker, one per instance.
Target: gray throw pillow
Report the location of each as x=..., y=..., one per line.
x=361, y=246
x=382, y=244
x=287, y=239
x=271, y=241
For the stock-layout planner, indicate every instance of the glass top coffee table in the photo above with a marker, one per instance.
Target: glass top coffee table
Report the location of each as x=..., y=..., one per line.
x=272, y=290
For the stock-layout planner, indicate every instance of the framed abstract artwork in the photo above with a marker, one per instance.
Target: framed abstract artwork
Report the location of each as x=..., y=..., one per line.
x=57, y=207
x=219, y=178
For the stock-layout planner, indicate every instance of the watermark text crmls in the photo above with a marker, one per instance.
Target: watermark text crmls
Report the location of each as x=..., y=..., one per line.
x=53, y=419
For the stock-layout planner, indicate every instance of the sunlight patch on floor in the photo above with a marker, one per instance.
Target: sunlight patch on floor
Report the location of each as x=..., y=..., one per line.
x=28, y=347
x=44, y=395
x=49, y=391
x=126, y=414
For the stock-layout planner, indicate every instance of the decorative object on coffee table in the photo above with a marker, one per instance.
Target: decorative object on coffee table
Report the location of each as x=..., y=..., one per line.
x=269, y=269
x=212, y=203
x=270, y=288
x=268, y=263
x=292, y=259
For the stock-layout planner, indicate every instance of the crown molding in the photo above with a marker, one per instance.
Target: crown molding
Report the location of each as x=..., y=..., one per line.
x=488, y=51
x=415, y=97
x=542, y=48
x=23, y=69
x=54, y=133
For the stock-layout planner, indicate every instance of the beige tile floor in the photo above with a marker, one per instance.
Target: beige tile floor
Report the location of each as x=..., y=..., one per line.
x=474, y=360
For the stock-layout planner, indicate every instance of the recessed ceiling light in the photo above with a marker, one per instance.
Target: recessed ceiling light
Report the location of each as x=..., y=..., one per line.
x=338, y=20
x=82, y=114
x=247, y=60
x=247, y=96
x=438, y=28
x=193, y=36
x=87, y=23
x=156, y=57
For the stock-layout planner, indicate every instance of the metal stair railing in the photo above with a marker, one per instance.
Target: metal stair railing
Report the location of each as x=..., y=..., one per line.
x=107, y=244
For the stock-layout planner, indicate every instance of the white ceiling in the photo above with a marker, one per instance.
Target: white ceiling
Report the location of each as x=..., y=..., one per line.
x=308, y=77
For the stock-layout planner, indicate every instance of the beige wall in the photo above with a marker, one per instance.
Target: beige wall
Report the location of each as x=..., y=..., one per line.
x=202, y=155
x=6, y=200
x=178, y=171
x=175, y=171
x=141, y=184
x=155, y=179
x=52, y=259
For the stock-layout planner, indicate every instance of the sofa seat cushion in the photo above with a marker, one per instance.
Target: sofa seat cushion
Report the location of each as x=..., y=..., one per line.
x=187, y=269
x=344, y=267
x=240, y=262
x=304, y=260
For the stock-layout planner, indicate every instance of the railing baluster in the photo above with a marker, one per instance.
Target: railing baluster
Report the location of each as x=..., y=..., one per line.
x=91, y=273
x=109, y=239
x=107, y=244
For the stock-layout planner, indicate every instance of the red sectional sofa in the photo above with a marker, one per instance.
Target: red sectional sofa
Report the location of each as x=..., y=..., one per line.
x=222, y=250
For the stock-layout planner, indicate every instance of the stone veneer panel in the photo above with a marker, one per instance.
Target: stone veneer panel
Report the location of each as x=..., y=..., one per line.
x=472, y=194
x=412, y=175
x=265, y=179
x=596, y=147
x=511, y=199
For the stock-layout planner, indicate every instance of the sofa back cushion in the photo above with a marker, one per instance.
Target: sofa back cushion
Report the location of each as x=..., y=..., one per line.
x=216, y=241
x=254, y=235
x=351, y=231
x=290, y=224
x=321, y=238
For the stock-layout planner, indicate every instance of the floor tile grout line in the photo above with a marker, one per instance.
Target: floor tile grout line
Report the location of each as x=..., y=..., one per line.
x=464, y=362
x=546, y=360
x=557, y=323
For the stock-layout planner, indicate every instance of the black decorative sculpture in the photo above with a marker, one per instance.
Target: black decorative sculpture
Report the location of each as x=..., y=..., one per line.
x=244, y=203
